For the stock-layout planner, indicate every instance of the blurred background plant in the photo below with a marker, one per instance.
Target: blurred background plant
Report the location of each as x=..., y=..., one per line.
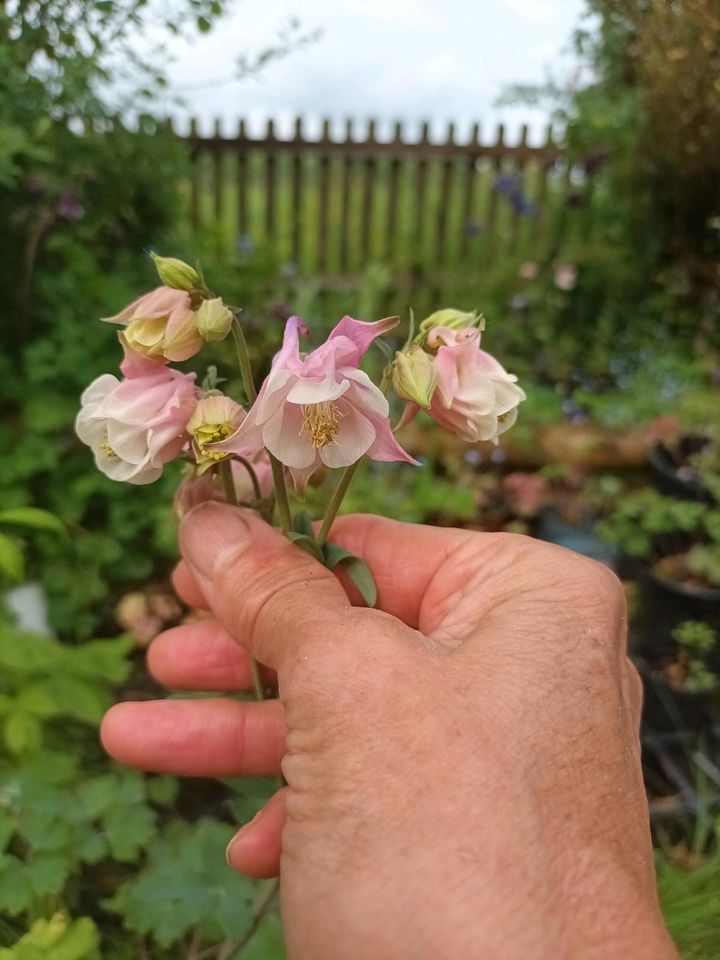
x=609, y=314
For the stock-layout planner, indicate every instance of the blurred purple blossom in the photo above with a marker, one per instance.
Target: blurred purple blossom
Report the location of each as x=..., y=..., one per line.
x=69, y=207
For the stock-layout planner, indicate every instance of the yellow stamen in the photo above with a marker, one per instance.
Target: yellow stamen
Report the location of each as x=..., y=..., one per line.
x=108, y=451
x=211, y=433
x=322, y=422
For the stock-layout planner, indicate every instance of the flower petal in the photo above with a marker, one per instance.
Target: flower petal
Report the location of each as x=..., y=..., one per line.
x=354, y=438
x=361, y=333
x=285, y=438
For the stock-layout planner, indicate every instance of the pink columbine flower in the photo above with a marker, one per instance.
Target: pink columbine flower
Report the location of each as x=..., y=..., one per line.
x=475, y=397
x=136, y=425
x=160, y=325
x=319, y=408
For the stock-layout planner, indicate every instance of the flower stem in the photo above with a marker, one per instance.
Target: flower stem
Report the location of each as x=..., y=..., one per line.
x=281, y=495
x=228, y=482
x=336, y=500
x=225, y=469
x=244, y=361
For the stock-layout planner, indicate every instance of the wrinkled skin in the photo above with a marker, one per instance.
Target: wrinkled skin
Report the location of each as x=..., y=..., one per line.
x=462, y=763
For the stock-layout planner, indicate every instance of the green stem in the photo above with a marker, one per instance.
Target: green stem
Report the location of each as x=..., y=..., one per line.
x=336, y=500
x=281, y=495
x=228, y=482
x=244, y=361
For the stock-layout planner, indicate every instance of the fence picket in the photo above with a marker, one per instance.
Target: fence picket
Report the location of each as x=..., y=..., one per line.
x=333, y=204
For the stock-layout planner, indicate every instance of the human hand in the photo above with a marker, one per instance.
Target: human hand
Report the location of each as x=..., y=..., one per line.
x=462, y=763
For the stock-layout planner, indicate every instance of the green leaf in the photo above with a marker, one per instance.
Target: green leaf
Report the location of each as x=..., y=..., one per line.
x=16, y=891
x=128, y=830
x=356, y=569
x=303, y=524
x=34, y=518
x=48, y=872
x=306, y=543
x=12, y=562
x=23, y=733
x=162, y=790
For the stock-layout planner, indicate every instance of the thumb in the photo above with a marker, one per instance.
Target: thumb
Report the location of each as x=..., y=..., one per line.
x=270, y=595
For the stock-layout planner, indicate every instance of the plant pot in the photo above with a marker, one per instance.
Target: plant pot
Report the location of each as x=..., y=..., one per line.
x=668, y=478
x=550, y=525
x=669, y=710
x=664, y=604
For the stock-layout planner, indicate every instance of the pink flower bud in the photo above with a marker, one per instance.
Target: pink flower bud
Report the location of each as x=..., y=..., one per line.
x=160, y=325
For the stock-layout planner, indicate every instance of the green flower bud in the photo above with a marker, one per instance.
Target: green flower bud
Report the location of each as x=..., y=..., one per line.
x=175, y=273
x=414, y=376
x=454, y=319
x=214, y=320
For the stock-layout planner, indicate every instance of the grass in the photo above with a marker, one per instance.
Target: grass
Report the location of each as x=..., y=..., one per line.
x=690, y=902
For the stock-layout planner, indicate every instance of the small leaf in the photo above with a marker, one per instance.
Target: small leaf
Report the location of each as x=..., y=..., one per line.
x=23, y=733
x=303, y=524
x=356, y=569
x=34, y=518
x=306, y=543
x=12, y=563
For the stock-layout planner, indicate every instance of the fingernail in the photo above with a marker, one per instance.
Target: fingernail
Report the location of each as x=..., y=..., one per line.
x=209, y=533
x=233, y=843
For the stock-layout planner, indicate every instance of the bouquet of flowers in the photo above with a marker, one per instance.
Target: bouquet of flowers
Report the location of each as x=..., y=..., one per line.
x=316, y=410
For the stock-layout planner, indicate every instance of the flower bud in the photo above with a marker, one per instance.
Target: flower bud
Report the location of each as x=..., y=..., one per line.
x=414, y=376
x=176, y=273
x=452, y=319
x=214, y=320
x=216, y=417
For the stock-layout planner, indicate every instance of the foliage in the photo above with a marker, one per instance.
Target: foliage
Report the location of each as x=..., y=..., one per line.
x=56, y=939
x=691, y=906
x=186, y=885
x=643, y=517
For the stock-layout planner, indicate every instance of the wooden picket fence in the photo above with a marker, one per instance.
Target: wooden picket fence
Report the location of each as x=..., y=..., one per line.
x=329, y=207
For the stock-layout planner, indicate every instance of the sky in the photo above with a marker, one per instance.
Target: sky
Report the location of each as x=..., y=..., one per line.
x=438, y=60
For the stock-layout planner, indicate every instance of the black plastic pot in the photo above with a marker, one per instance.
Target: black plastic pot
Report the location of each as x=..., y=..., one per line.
x=667, y=710
x=551, y=526
x=671, y=478
x=664, y=604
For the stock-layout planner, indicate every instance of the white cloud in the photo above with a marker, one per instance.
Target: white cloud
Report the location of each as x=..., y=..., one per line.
x=409, y=59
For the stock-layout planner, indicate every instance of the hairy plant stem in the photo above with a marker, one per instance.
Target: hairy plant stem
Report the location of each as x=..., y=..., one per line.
x=281, y=494
x=225, y=470
x=243, y=356
x=336, y=500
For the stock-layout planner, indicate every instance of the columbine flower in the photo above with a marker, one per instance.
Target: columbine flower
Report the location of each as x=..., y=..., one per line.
x=160, y=325
x=475, y=397
x=319, y=408
x=215, y=418
x=136, y=425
